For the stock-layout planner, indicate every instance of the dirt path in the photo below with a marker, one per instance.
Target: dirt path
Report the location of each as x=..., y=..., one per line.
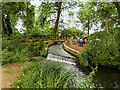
x=9, y=73
x=0, y=77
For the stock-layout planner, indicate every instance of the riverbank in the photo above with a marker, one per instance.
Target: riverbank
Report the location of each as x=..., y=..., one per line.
x=74, y=48
x=10, y=73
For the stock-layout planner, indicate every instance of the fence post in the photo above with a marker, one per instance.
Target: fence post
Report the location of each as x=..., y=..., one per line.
x=68, y=42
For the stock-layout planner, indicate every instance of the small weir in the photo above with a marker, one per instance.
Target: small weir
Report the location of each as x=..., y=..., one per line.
x=56, y=53
x=62, y=59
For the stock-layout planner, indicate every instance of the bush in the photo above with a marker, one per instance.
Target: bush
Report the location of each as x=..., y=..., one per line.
x=13, y=52
x=38, y=49
x=105, y=51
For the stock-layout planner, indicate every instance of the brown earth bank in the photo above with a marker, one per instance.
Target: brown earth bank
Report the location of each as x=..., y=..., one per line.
x=9, y=74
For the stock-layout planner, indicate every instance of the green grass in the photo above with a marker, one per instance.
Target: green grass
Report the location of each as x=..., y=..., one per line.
x=8, y=72
x=47, y=74
x=44, y=75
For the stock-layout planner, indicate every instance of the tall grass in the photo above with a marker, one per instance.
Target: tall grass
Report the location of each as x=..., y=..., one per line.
x=47, y=74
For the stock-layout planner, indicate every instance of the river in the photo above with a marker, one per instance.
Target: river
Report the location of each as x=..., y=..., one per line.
x=104, y=77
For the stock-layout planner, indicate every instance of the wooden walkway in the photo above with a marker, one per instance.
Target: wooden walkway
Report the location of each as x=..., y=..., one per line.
x=54, y=41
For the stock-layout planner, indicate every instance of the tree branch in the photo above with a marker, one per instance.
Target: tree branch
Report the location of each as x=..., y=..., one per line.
x=114, y=20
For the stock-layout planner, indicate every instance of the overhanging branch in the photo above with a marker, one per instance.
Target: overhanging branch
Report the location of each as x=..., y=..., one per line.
x=114, y=20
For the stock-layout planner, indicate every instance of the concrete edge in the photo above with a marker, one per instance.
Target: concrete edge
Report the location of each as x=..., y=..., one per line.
x=72, y=51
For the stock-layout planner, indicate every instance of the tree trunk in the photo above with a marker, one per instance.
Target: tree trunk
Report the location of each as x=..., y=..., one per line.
x=106, y=19
x=8, y=24
x=58, y=17
x=106, y=24
x=3, y=25
x=118, y=9
x=88, y=25
x=27, y=23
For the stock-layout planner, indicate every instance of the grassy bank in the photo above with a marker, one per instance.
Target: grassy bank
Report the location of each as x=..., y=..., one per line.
x=47, y=74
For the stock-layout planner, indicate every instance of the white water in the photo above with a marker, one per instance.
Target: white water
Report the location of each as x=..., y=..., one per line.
x=61, y=59
x=57, y=54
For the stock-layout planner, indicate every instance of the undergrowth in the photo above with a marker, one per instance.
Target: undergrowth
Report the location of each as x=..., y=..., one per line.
x=14, y=52
x=47, y=74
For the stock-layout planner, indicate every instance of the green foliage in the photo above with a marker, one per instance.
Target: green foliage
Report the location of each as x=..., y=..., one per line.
x=38, y=49
x=45, y=11
x=86, y=15
x=72, y=31
x=101, y=14
x=84, y=58
x=13, y=52
x=16, y=35
x=16, y=11
x=44, y=75
x=30, y=17
x=105, y=51
x=87, y=82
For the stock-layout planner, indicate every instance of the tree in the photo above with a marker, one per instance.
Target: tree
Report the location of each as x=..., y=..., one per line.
x=28, y=16
x=86, y=16
x=9, y=12
x=102, y=13
x=48, y=15
x=45, y=11
x=117, y=4
x=58, y=4
x=12, y=12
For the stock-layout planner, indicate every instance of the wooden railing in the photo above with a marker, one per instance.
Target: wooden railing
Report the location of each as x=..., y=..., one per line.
x=35, y=39
x=51, y=38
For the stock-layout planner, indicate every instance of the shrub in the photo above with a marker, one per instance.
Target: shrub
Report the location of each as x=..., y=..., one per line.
x=105, y=51
x=13, y=52
x=38, y=49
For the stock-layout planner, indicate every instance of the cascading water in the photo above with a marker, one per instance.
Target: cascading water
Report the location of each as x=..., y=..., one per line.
x=63, y=59
x=57, y=54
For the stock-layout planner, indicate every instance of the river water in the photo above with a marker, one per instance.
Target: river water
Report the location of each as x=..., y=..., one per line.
x=105, y=77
